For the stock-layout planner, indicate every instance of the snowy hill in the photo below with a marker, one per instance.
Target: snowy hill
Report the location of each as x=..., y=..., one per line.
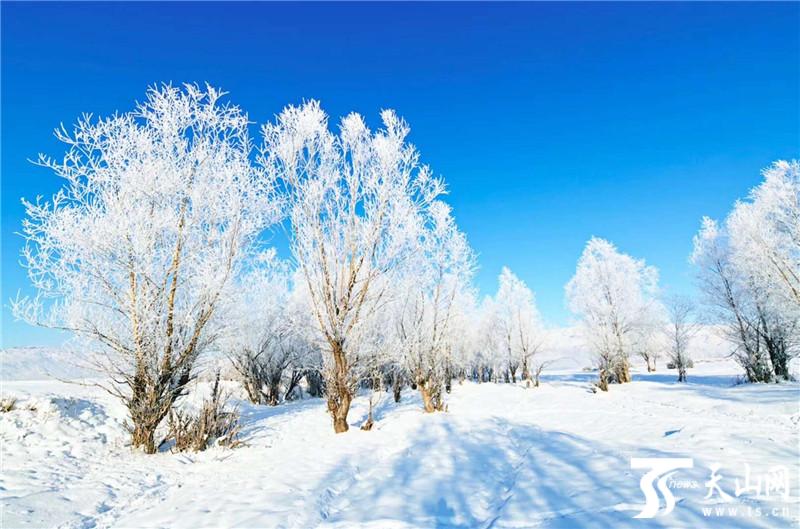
x=42, y=363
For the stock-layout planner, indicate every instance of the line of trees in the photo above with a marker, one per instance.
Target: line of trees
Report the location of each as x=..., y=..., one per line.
x=748, y=271
x=157, y=251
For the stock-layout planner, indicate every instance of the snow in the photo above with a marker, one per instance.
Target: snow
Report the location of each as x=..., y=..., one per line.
x=502, y=456
x=42, y=363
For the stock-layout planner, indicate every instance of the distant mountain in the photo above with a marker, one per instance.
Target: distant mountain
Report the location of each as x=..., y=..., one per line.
x=42, y=363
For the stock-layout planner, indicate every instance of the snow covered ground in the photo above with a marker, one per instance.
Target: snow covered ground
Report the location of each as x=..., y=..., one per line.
x=503, y=456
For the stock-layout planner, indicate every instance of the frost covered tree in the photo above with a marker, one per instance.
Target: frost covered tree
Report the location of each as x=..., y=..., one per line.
x=134, y=253
x=357, y=199
x=264, y=334
x=763, y=333
x=680, y=331
x=519, y=324
x=490, y=356
x=647, y=336
x=431, y=305
x=764, y=233
x=466, y=339
x=380, y=359
x=764, y=242
x=612, y=293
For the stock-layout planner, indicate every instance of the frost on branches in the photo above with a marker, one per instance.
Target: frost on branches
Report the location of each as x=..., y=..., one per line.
x=680, y=331
x=432, y=305
x=519, y=328
x=358, y=200
x=748, y=269
x=265, y=333
x=765, y=236
x=153, y=254
x=614, y=295
x=134, y=253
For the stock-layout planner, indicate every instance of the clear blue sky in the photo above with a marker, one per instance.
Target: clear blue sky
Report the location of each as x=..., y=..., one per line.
x=550, y=122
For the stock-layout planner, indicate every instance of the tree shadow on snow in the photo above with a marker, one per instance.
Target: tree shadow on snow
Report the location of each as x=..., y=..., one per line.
x=500, y=473
x=256, y=418
x=742, y=393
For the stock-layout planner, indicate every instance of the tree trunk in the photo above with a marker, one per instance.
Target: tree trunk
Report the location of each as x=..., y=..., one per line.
x=526, y=373
x=681, y=373
x=397, y=387
x=148, y=405
x=367, y=426
x=623, y=371
x=431, y=397
x=427, y=400
x=143, y=437
x=316, y=384
x=339, y=413
x=649, y=367
x=273, y=390
x=294, y=381
x=537, y=374
x=603, y=382
x=339, y=394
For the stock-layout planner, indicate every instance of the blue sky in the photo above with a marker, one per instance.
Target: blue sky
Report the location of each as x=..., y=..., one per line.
x=550, y=122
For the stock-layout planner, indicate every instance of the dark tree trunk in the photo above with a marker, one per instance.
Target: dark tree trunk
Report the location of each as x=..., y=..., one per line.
x=623, y=371
x=526, y=372
x=603, y=382
x=316, y=383
x=397, y=386
x=339, y=392
x=294, y=381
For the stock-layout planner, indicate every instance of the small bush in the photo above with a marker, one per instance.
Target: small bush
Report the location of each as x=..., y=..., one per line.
x=7, y=404
x=213, y=424
x=689, y=364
